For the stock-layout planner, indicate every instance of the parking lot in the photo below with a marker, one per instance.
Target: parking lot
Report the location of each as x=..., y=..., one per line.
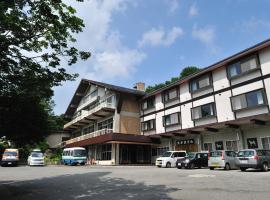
x=130, y=182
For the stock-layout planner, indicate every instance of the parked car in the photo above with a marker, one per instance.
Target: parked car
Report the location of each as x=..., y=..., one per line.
x=251, y=158
x=169, y=158
x=222, y=159
x=192, y=160
x=36, y=158
x=10, y=157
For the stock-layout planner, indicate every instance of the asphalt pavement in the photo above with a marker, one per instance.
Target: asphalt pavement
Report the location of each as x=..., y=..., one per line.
x=130, y=182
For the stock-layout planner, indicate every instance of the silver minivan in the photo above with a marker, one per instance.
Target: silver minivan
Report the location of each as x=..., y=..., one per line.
x=251, y=158
x=222, y=159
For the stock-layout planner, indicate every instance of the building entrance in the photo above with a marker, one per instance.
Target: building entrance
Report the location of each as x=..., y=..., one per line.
x=134, y=154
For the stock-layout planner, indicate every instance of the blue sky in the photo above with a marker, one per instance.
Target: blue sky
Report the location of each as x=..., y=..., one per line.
x=152, y=40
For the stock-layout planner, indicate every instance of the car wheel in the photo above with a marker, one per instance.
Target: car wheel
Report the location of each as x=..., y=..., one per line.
x=243, y=169
x=265, y=167
x=192, y=166
x=227, y=166
x=168, y=165
x=211, y=168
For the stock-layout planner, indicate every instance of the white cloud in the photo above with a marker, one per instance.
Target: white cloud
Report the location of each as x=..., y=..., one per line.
x=193, y=10
x=158, y=37
x=172, y=5
x=254, y=24
x=109, y=54
x=206, y=35
x=111, y=59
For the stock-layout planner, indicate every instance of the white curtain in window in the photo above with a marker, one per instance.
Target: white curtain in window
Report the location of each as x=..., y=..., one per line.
x=196, y=113
x=173, y=94
x=204, y=82
x=239, y=102
x=260, y=97
x=248, y=65
x=174, y=118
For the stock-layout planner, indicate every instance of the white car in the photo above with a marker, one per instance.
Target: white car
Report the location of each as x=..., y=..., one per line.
x=36, y=158
x=169, y=158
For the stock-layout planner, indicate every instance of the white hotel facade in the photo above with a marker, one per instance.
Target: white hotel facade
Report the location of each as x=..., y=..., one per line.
x=223, y=106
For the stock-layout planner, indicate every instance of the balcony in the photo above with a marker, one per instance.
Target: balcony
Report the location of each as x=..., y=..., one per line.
x=101, y=109
x=88, y=136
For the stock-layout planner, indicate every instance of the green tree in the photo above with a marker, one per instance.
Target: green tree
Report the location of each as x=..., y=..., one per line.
x=188, y=71
x=184, y=73
x=35, y=38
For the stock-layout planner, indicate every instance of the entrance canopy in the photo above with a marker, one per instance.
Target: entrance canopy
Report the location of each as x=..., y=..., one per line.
x=113, y=138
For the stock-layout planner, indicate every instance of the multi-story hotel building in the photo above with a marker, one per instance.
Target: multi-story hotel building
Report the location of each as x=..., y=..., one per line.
x=223, y=106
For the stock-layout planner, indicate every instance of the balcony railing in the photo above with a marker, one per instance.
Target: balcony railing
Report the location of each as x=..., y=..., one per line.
x=108, y=102
x=89, y=135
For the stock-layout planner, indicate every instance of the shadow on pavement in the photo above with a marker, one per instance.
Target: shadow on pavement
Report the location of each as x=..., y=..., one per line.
x=81, y=186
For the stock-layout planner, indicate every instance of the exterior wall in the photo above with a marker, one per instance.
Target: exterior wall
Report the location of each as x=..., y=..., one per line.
x=186, y=116
x=159, y=122
x=267, y=89
x=130, y=125
x=223, y=106
x=223, y=135
x=184, y=92
x=158, y=102
x=265, y=61
x=55, y=139
x=220, y=80
x=256, y=132
x=129, y=116
x=247, y=88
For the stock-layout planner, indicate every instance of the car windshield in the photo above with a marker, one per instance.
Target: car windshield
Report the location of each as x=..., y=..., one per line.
x=10, y=153
x=167, y=154
x=36, y=155
x=79, y=153
x=191, y=155
x=215, y=154
x=246, y=153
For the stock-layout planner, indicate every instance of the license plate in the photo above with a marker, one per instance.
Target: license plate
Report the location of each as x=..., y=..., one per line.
x=243, y=161
x=215, y=164
x=9, y=163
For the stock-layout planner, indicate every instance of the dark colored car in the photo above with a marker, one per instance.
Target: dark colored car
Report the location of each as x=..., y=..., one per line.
x=251, y=158
x=193, y=160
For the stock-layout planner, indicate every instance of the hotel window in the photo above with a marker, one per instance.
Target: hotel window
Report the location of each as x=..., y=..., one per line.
x=201, y=83
x=148, y=103
x=107, y=124
x=203, y=111
x=170, y=95
x=148, y=125
x=208, y=146
x=106, y=153
x=89, y=129
x=171, y=119
x=243, y=66
x=266, y=143
x=232, y=145
x=248, y=100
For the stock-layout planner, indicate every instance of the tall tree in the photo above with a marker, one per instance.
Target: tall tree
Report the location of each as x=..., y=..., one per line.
x=188, y=71
x=184, y=73
x=35, y=37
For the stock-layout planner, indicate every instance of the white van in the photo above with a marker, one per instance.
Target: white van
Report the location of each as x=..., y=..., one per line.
x=74, y=156
x=169, y=158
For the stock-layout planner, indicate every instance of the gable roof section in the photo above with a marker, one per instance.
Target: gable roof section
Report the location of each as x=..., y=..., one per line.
x=83, y=86
x=250, y=50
